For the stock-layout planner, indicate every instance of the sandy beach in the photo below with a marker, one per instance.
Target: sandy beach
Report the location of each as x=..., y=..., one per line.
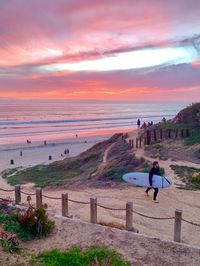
x=38, y=153
x=170, y=199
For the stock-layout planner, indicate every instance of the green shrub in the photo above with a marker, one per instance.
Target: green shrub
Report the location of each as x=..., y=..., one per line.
x=75, y=257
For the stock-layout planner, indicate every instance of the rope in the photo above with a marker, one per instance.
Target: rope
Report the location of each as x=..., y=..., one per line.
x=109, y=208
x=48, y=197
x=155, y=218
x=81, y=202
x=7, y=190
x=191, y=222
x=9, y=200
x=29, y=194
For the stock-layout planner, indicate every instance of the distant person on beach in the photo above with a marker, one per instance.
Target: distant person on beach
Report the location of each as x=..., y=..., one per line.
x=155, y=170
x=20, y=153
x=45, y=142
x=76, y=135
x=138, y=123
x=66, y=151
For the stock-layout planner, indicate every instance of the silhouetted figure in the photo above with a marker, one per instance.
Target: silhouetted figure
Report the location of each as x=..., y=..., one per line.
x=164, y=119
x=45, y=142
x=76, y=135
x=138, y=123
x=20, y=153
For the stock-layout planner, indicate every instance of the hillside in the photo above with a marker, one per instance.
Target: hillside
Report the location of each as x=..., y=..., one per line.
x=189, y=116
x=90, y=168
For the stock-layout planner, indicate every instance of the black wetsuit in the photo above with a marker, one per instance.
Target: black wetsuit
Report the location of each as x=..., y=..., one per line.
x=153, y=171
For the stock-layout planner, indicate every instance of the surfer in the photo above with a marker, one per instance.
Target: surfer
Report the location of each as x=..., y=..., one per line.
x=155, y=170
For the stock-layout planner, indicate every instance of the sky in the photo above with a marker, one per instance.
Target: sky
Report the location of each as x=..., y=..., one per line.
x=147, y=50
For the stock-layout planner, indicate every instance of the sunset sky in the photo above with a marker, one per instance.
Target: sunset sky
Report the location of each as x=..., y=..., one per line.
x=138, y=50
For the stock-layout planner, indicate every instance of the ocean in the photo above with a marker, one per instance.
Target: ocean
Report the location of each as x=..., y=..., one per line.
x=59, y=119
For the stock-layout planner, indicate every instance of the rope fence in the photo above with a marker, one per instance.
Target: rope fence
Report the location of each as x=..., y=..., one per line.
x=7, y=190
x=49, y=197
x=154, y=218
x=28, y=194
x=79, y=202
x=93, y=209
x=109, y=208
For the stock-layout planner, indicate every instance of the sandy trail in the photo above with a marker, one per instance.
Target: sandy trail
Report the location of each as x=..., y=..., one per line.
x=170, y=199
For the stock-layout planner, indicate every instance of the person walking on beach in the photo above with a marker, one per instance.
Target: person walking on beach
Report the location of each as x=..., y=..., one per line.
x=138, y=123
x=155, y=170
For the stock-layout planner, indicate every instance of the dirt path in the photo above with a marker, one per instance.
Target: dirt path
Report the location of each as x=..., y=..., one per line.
x=104, y=161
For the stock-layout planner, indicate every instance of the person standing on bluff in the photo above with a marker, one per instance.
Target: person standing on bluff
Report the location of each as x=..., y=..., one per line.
x=138, y=123
x=155, y=170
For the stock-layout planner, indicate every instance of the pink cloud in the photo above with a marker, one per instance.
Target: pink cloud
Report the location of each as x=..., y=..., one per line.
x=33, y=33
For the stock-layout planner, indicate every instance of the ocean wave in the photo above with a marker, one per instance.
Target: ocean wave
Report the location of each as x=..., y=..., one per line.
x=133, y=118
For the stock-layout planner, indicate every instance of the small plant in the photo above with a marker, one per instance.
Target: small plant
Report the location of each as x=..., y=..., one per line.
x=9, y=242
x=36, y=222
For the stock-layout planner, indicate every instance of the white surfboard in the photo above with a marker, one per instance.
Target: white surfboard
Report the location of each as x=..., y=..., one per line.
x=142, y=180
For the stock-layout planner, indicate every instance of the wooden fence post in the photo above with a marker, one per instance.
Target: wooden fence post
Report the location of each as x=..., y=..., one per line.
x=161, y=133
x=129, y=216
x=187, y=132
x=140, y=142
x=176, y=134
x=38, y=198
x=136, y=143
x=154, y=135
x=148, y=137
x=65, y=204
x=132, y=143
x=129, y=142
x=17, y=194
x=169, y=133
x=177, y=225
x=182, y=133
x=93, y=210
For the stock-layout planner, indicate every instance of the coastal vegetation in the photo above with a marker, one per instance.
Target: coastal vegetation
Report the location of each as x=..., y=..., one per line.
x=177, y=146
x=22, y=224
x=93, y=256
x=18, y=225
x=189, y=175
